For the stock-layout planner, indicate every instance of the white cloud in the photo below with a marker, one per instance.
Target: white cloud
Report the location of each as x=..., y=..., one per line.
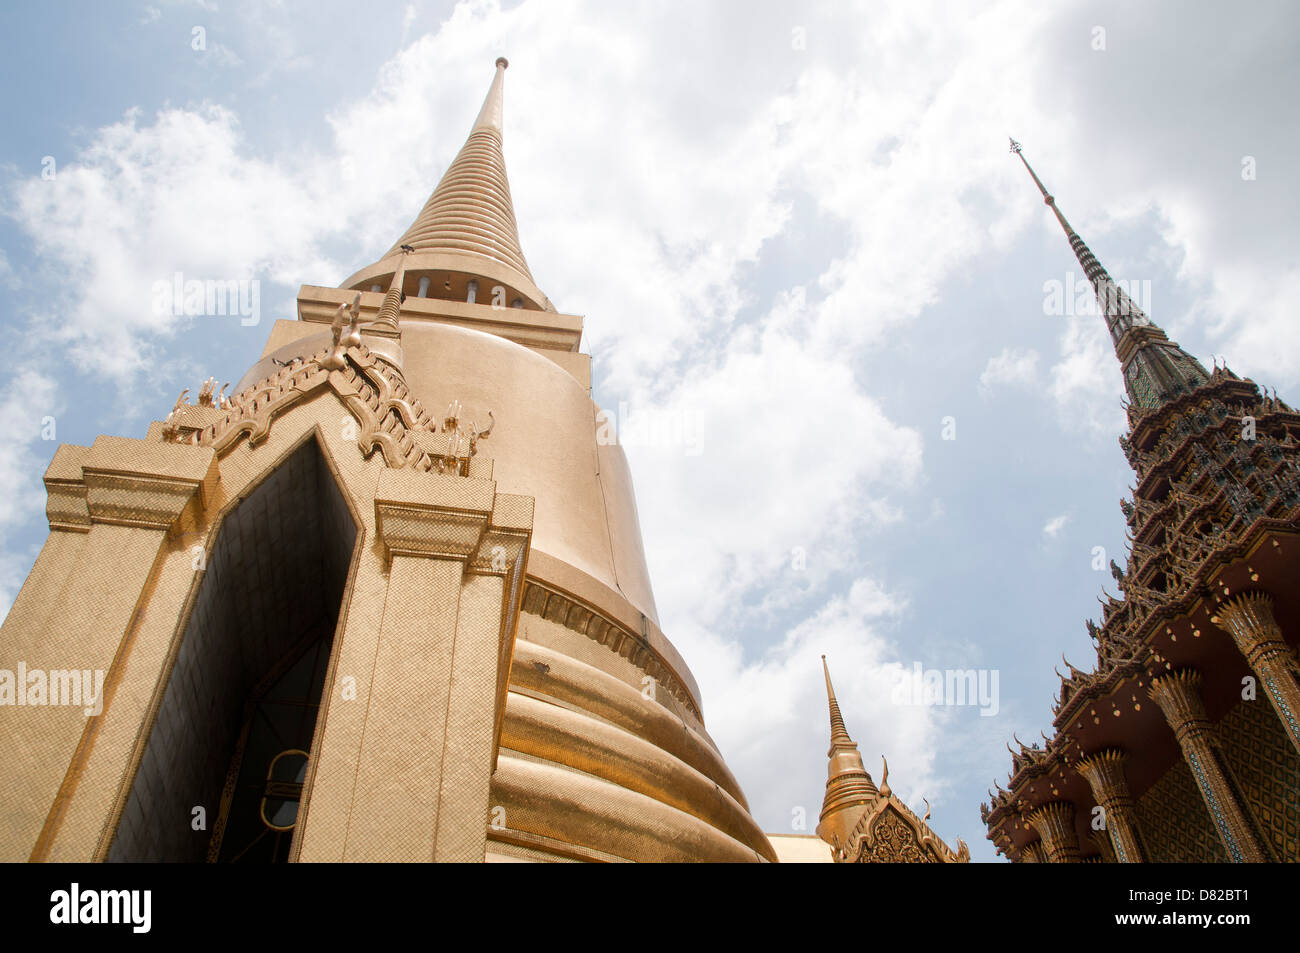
x=1085, y=382
x=1014, y=367
x=146, y=201
x=788, y=436
x=1257, y=332
x=1052, y=528
x=28, y=399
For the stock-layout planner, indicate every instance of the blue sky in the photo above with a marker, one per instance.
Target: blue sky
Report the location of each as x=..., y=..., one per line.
x=799, y=230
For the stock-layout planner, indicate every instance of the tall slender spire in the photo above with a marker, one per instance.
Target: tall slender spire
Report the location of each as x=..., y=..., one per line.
x=848, y=785
x=839, y=734
x=471, y=209
x=1156, y=369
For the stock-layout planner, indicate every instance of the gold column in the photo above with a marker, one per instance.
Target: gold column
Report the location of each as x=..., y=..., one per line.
x=480, y=670
x=113, y=509
x=395, y=799
x=1054, y=822
x=1249, y=620
x=1178, y=695
x=1104, y=772
x=458, y=551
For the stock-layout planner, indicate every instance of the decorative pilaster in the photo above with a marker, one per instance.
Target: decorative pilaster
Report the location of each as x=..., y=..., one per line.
x=1178, y=695
x=1249, y=620
x=1104, y=772
x=457, y=553
x=119, y=511
x=1054, y=822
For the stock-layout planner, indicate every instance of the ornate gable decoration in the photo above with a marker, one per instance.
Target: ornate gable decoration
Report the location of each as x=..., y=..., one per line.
x=891, y=840
x=389, y=418
x=889, y=833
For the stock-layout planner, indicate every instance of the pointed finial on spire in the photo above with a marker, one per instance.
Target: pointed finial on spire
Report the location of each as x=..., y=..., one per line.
x=1166, y=369
x=489, y=117
x=838, y=732
x=1047, y=197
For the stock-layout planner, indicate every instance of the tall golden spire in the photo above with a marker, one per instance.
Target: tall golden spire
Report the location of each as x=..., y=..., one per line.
x=849, y=787
x=471, y=210
x=1155, y=369
x=839, y=734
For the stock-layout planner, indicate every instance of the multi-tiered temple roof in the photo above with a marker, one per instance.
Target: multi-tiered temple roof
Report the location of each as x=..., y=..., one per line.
x=1159, y=735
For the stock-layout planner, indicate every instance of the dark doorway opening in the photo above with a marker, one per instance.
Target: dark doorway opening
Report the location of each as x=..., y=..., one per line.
x=222, y=771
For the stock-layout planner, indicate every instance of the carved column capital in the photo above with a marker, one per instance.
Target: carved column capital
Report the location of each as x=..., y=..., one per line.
x=65, y=488
x=432, y=514
x=1249, y=619
x=506, y=537
x=1104, y=772
x=1033, y=853
x=143, y=483
x=1054, y=822
x=1178, y=693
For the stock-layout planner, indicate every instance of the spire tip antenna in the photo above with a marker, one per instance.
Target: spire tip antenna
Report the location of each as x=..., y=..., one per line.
x=502, y=62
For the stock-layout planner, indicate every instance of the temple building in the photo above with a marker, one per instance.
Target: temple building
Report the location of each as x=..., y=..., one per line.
x=1183, y=741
